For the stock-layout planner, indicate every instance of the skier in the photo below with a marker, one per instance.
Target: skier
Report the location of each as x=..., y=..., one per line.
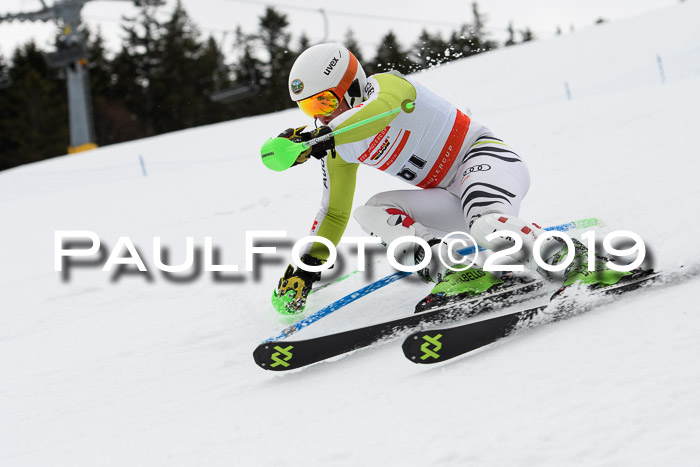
x=471, y=180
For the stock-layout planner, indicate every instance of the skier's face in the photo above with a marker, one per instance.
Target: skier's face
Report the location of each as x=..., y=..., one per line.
x=342, y=107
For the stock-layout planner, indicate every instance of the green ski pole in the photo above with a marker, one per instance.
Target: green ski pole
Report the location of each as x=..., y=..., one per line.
x=279, y=154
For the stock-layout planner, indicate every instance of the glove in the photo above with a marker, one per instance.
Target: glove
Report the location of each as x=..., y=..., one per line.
x=318, y=151
x=294, y=287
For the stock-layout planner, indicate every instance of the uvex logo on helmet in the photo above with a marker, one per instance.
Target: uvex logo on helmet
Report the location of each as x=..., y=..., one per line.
x=334, y=61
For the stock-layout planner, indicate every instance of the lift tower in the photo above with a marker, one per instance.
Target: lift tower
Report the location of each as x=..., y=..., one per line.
x=71, y=54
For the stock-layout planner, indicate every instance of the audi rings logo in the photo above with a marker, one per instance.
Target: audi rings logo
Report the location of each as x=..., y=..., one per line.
x=477, y=168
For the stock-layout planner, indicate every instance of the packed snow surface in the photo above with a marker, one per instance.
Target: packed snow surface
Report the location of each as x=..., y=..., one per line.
x=135, y=369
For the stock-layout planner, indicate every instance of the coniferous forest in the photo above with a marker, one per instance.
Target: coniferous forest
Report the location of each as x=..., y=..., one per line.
x=167, y=77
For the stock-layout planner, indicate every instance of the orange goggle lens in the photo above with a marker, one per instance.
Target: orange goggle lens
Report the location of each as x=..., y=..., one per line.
x=319, y=105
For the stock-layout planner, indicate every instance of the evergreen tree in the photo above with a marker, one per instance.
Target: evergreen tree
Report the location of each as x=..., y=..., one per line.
x=511, y=35
x=276, y=40
x=430, y=50
x=5, y=116
x=34, y=115
x=391, y=56
x=98, y=63
x=479, y=20
x=109, y=113
x=353, y=46
x=485, y=44
x=163, y=78
x=248, y=72
x=215, y=75
x=176, y=87
x=4, y=73
x=248, y=69
x=527, y=35
x=463, y=43
x=304, y=42
x=471, y=39
x=166, y=75
x=135, y=67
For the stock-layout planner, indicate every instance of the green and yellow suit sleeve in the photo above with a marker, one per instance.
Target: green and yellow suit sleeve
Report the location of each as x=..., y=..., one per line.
x=339, y=189
x=341, y=175
x=393, y=90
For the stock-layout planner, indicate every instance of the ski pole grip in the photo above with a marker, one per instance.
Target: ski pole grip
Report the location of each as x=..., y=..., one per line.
x=279, y=154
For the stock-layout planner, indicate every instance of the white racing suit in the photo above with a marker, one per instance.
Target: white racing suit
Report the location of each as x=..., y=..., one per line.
x=471, y=181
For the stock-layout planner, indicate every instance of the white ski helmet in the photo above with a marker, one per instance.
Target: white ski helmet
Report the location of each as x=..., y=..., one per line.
x=327, y=67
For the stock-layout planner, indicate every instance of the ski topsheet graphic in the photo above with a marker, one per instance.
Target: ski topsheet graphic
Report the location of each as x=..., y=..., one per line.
x=438, y=345
x=287, y=355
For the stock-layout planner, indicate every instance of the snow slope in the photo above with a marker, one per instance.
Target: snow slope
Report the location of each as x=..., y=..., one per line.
x=137, y=370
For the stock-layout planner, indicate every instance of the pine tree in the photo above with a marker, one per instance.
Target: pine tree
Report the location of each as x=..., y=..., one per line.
x=134, y=68
x=463, y=43
x=109, y=113
x=527, y=35
x=472, y=39
x=275, y=40
x=391, y=56
x=248, y=73
x=430, y=50
x=4, y=73
x=479, y=19
x=98, y=63
x=166, y=75
x=485, y=43
x=511, y=35
x=176, y=88
x=215, y=75
x=34, y=115
x=304, y=42
x=5, y=117
x=353, y=46
x=248, y=69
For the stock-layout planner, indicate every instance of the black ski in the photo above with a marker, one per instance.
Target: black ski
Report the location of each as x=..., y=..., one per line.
x=438, y=345
x=287, y=355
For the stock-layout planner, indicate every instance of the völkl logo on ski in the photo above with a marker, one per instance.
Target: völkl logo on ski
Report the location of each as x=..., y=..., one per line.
x=285, y=352
x=431, y=341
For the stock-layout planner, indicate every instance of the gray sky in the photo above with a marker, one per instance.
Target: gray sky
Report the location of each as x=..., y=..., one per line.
x=368, y=19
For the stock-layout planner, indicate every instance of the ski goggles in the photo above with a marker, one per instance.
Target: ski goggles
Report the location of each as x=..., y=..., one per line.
x=319, y=105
